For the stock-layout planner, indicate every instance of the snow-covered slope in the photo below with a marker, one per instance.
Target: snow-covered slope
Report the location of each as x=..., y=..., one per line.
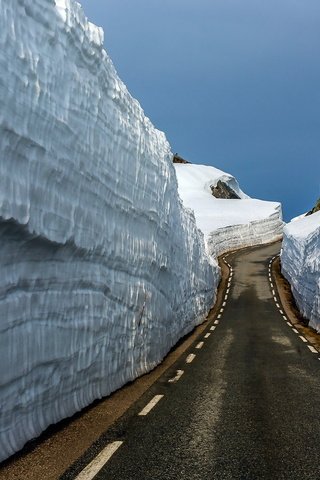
x=102, y=268
x=227, y=224
x=300, y=263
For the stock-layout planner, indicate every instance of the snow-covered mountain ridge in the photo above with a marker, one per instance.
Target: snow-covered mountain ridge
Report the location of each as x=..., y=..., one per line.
x=102, y=268
x=227, y=224
x=300, y=264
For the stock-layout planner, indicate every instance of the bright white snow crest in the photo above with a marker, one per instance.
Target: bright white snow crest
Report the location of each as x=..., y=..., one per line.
x=102, y=268
x=227, y=224
x=300, y=263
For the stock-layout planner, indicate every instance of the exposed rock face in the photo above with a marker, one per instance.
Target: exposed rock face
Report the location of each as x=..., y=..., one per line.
x=223, y=190
x=300, y=264
x=178, y=159
x=315, y=209
x=102, y=268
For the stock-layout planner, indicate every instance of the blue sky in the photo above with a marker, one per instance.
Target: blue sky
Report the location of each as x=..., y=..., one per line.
x=232, y=83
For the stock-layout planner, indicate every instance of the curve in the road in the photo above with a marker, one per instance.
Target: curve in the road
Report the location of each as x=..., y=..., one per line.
x=242, y=404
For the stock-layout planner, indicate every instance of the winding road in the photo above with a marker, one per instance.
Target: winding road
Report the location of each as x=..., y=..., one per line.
x=241, y=403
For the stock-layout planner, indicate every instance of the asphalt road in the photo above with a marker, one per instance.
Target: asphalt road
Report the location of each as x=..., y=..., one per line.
x=245, y=407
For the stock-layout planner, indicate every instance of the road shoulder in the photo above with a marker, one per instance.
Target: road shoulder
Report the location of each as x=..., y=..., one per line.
x=290, y=307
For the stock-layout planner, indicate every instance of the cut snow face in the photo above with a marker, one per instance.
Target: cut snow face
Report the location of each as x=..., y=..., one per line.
x=227, y=223
x=107, y=269
x=300, y=264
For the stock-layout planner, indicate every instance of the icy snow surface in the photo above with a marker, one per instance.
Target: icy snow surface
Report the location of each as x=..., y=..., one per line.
x=300, y=263
x=102, y=268
x=227, y=224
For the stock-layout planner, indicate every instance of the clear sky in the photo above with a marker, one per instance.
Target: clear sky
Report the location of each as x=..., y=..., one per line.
x=232, y=83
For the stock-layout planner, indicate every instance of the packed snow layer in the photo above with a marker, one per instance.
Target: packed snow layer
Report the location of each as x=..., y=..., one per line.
x=102, y=268
x=300, y=264
x=227, y=224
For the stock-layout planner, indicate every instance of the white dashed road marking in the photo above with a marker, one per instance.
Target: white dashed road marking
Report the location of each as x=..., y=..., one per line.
x=312, y=349
x=150, y=405
x=288, y=323
x=303, y=339
x=294, y=330
x=216, y=322
x=207, y=335
x=190, y=358
x=212, y=329
x=99, y=462
x=199, y=345
x=177, y=377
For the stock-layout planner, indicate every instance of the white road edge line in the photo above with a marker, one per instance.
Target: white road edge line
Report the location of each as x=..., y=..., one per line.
x=212, y=329
x=295, y=330
x=224, y=304
x=219, y=316
x=275, y=299
x=303, y=339
x=284, y=317
x=150, y=405
x=199, y=345
x=207, y=335
x=278, y=306
x=312, y=349
x=190, y=358
x=91, y=470
x=288, y=323
x=216, y=322
x=177, y=377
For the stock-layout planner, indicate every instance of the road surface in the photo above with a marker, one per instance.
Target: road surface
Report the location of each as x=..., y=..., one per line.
x=242, y=403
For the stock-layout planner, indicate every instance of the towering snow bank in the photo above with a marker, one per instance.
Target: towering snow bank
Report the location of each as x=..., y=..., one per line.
x=227, y=224
x=102, y=268
x=300, y=263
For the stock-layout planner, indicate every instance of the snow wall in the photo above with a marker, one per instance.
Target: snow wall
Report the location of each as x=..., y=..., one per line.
x=300, y=264
x=102, y=268
x=227, y=224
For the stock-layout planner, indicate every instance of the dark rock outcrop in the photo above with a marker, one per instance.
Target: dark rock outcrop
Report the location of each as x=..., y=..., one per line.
x=315, y=209
x=178, y=159
x=222, y=190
